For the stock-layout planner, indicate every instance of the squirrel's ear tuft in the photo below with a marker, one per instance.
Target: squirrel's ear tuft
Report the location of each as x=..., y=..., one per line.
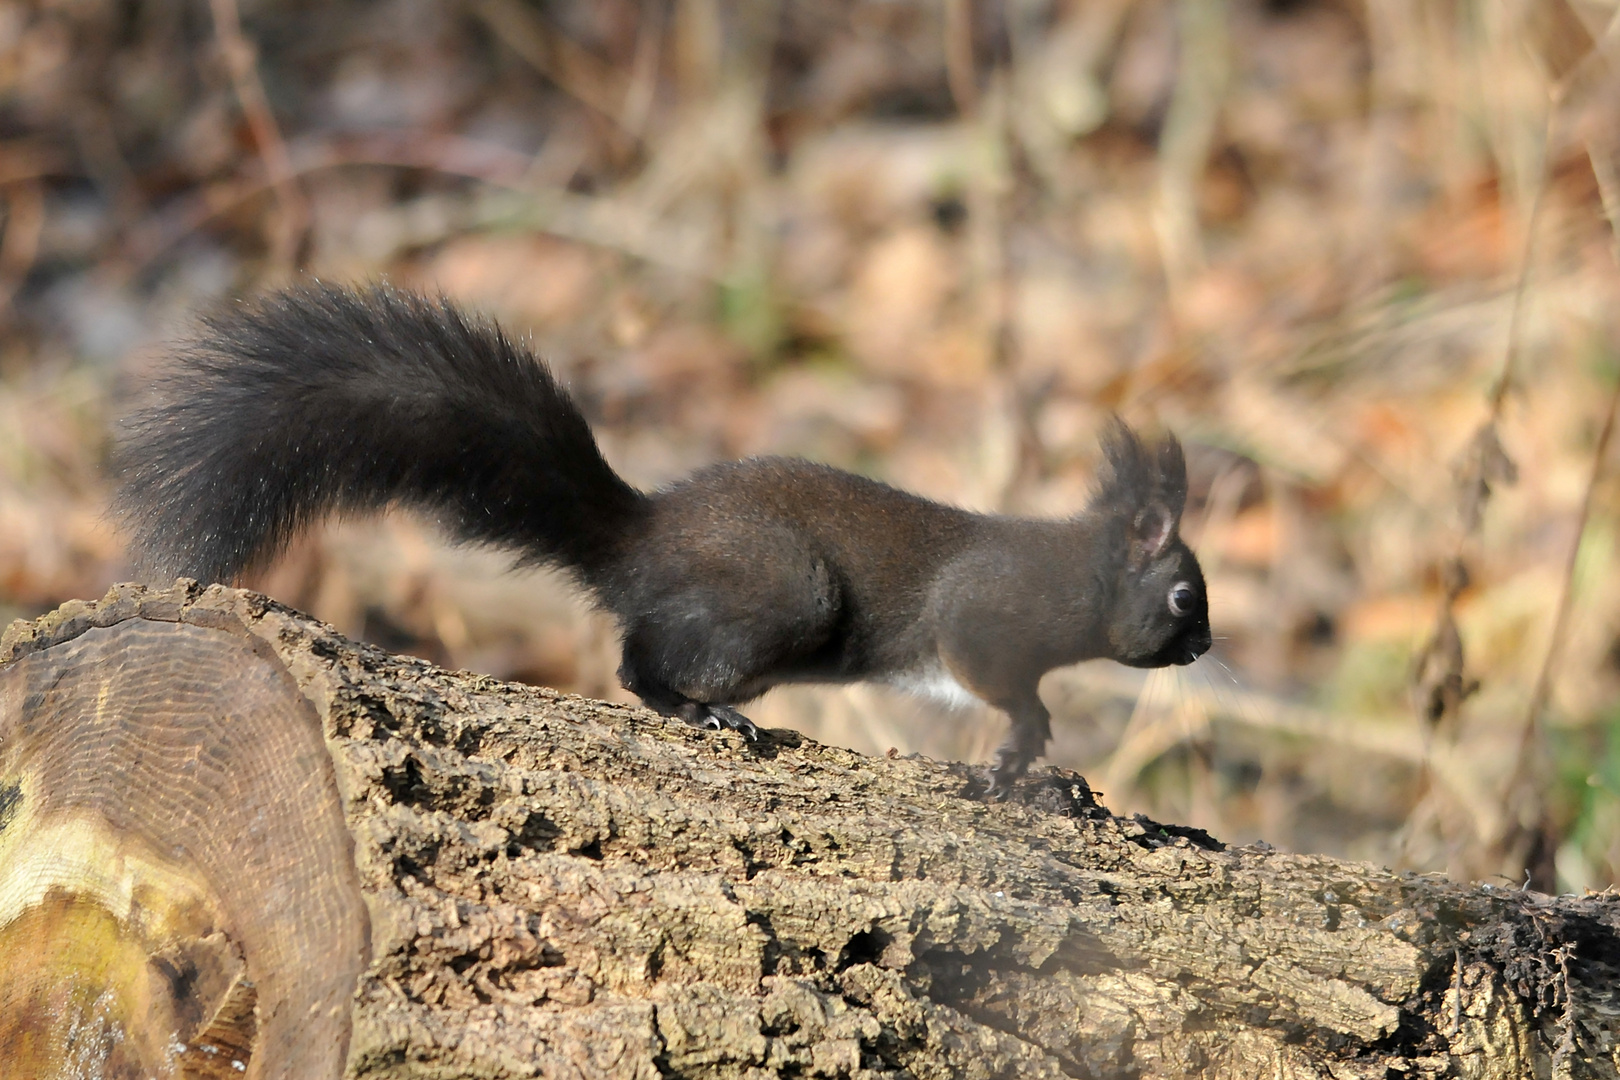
x=1127, y=475
x=1135, y=476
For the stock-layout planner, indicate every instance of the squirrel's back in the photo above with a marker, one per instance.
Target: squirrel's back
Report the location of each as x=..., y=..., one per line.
x=323, y=399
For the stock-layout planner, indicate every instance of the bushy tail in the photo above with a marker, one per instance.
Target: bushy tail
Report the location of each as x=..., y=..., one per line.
x=323, y=399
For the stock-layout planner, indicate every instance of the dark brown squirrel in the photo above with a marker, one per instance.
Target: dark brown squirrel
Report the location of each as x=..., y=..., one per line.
x=741, y=577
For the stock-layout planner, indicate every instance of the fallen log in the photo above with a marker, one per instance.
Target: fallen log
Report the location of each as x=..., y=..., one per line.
x=233, y=843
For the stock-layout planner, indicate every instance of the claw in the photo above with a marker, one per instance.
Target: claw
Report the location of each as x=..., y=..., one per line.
x=736, y=721
x=718, y=718
x=1000, y=787
x=1003, y=776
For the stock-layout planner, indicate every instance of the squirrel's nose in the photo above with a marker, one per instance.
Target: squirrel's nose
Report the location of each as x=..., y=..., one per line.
x=1197, y=645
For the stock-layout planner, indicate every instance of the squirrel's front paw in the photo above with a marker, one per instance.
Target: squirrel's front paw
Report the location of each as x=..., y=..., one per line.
x=1005, y=773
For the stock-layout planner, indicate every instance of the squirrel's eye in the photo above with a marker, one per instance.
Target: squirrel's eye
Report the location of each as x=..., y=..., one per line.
x=1181, y=598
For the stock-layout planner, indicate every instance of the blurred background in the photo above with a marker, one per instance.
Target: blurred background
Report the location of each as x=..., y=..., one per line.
x=1355, y=252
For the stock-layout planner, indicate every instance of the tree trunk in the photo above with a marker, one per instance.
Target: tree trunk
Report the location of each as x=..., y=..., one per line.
x=233, y=843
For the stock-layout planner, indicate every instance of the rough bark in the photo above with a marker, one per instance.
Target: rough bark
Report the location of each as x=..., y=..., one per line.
x=234, y=843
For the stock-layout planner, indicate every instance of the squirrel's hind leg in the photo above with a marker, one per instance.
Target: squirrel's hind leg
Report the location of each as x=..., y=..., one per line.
x=690, y=652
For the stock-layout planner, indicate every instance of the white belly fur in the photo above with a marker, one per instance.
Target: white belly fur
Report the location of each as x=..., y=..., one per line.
x=936, y=684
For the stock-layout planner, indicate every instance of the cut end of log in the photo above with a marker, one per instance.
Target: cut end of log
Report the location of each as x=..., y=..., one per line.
x=177, y=890
x=87, y=993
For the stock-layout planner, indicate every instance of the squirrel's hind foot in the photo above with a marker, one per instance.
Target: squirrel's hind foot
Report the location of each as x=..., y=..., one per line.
x=700, y=714
x=718, y=718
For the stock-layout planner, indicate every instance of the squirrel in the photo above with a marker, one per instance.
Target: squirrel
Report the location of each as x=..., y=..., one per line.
x=741, y=577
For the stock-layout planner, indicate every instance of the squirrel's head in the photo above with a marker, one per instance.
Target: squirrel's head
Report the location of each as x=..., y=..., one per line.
x=1160, y=612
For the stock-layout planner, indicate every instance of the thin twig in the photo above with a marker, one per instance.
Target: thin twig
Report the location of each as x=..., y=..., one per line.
x=1558, y=93
x=1520, y=789
x=450, y=154
x=959, y=66
x=1566, y=596
x=575, y=70
x=29, y=158
x=293, y=220
x=1202, y=73
x=584, y=218
x=1515, y=330
x=643, y=84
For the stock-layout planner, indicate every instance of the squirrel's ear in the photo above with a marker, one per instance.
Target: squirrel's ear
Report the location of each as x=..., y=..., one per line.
x=1148, y=484
x=1152, y=529
x=1156, y=522
x=1170, y=479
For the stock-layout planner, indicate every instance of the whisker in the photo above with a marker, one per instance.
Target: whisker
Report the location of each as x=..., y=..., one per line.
x=1224, y=701
x=1241, y=701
